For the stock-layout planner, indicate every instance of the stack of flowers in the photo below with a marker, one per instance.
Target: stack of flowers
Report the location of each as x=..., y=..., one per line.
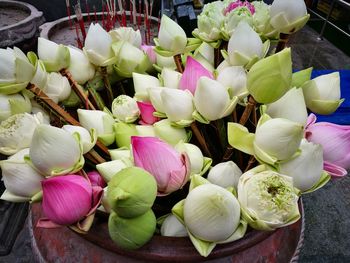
x=223, y=133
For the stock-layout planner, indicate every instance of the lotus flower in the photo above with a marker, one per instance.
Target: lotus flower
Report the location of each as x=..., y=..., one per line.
x=143, y=82
x=96, y=179
x=234, y=78
x=131, y=192
x=233, y=5
x=88, y=139
x=261, y=20
x=14, y=104
x=322, y=94
x=288, y=16
x=125, y=109
x=335, y=143
x=212, y=91
x=244, y=46
x=17, y=131
x=193, y=71
x=290, y=106
x=109, y=169
x=268, y=199
x=170, y=169
x=204, y=54
x=171, y=37
x=129, y=59
x=15, y=70
x=164, y=62
x=101, y=121
x=127, y=34
x=54, y=151
x=69, y=199
x=225, y=174
x=98, y=46
x=156, y=99
x=57, y=87
x=233, y=18
x=306, y=169
x=275, y=140
x=170, y=78
x=80, y=67
x=270, y=78
x=54, y=56
x=172, y=135
x=178, y=105
x=211, y=215
x=22, y=182
x=210, y=22
x=146, y=110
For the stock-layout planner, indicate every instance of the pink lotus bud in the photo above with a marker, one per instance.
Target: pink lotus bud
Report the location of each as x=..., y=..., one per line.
x=151, y=54
x=193, y=71
x=170, y=168
x=146, y=110
x=96, y=179
x=68, y=199
x=335, y=140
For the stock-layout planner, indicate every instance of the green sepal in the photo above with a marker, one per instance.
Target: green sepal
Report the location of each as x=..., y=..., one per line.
x=324, y=107
x=240, y=138
x=254, y=222
x=238, y=234
x=213, y=43
x=182, y=123
x=32, y=57
x=233, y=102
x=325, y=177
x=197, y=180
x=224, y=54
x=206, y=165
x=264, y=118
x=178, y=211
x=13, y=88
x=266, y=47
x=159, y=114
x=17, y=107
x=192, y=44
x=204, y=248
x=107, y=139
x=37, y=197
x=198, y=117
x=300, y=77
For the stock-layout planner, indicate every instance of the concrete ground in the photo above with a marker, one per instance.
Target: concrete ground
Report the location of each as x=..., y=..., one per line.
x=327, y=211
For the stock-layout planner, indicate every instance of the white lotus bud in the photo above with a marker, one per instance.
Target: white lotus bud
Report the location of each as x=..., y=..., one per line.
x=125, y=109
x=225, y=174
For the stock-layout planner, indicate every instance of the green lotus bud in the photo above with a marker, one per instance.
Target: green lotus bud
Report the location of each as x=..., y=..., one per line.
x=123, y=133
x=132, y=233
x=131, y=192
x=270, y=78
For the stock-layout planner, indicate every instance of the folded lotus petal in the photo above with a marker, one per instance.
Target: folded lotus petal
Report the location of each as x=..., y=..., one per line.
x=193, y=71
x=66, y=199
x=177, y=178
x=159, y=159
x=7, y=66
x=80, y=67
x=127, y=34
x=96, y=179
x=149, y=50
x=146, y=110
x=334, y=170
x=177, y=104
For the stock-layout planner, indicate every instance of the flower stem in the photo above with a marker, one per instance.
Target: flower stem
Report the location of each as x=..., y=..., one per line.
x=78, y=90
x=41, y=97
x=250, y=164
x=243, y=120
x=200, y=139
x=178, y=63
x=282, y=42
x=107, y=85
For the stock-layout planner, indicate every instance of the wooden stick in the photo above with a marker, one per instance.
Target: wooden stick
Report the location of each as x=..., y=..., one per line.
x=282, y=42
x=78, y=90
x=243, y=120
x=107, y=85
x=178, y=63
x=200, y=139
x=250, y=164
